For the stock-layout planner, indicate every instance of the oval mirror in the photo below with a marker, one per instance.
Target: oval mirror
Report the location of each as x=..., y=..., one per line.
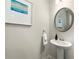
x=63, y=19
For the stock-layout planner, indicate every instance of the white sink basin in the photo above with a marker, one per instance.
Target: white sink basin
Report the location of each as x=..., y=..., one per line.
x=59, y=43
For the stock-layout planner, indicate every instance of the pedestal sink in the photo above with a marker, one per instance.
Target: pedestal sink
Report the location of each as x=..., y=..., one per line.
x=61, y=45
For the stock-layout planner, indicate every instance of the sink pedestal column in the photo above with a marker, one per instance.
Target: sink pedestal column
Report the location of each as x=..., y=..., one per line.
x=60, y=53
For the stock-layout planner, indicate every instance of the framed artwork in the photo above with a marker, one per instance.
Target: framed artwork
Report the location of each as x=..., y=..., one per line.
x=18, y=12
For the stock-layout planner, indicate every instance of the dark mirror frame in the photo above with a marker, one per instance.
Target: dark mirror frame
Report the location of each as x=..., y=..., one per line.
x=71, y=21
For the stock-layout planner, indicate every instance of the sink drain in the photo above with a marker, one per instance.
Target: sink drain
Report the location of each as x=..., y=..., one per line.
x=49, y=57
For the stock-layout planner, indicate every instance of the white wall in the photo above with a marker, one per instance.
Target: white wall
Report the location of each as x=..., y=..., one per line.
x=23, y=42
x=68, y=35
x=52, y=31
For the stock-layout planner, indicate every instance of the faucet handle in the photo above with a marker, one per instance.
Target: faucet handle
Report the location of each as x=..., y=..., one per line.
x=61, y=39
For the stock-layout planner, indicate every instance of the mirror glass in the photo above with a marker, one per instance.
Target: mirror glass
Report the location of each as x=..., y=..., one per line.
x=64, y=19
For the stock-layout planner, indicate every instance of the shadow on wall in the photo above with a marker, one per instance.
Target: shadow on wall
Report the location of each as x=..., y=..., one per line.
x=17, y=25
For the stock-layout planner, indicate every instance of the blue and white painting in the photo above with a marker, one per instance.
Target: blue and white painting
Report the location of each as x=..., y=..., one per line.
x=59, y=23
x=19, y=12
x=19, y=7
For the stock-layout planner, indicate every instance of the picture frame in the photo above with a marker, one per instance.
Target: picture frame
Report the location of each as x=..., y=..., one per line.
x=18, y=12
